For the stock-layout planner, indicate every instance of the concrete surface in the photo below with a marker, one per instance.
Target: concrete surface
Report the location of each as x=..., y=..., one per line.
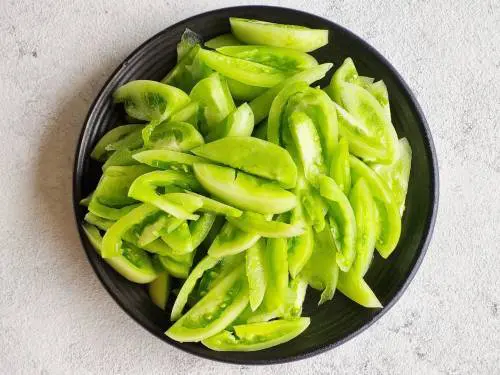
x=55, y=317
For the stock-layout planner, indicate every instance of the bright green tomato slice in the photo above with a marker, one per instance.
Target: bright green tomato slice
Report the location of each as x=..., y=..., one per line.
x=252, y=155
x=215, y=311
x=176, y=136
x=159, y=290
x=295, y=37
x=152, y=231
x=397, y=174
x=365, y=211
x=257, y=336
x=85, y=201
x=150, y=100
x=109, y=213
x=180, y=239
x=260, y=131
x=378, y=187
x=222, y=41
x=344, y=220
x=189, y=114
x=285, y=59
x=321, y=271
x=299, y=251
x=166, y=159
x=121, y=158
x=243, y=190
x=340, y=169
x=211, y=205
x=262, y=104
x=295, y=298
x=111, y=137
x=181, y=75
x=256, y=223
x=133, y=264
x=247, y=72
x=99, y=222
x=231, y=240
x=179, y=266
x=356, y=289
x=215, y=101
x=256, y=276
x=189, y=39
x=201, y=228
x=238, y=123
x=216, y=274
x=242, y=92
x=145, y=188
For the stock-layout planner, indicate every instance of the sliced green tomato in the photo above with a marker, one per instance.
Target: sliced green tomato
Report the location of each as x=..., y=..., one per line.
x=313, y=205
x=85, y=201
x=345, y=73
x=112, y=241
x=189, y=114
x=299, y=251
x=211, y=205
x=159, y=290
x=180, y=239
x=378, y=187
x=113, y=136
x=340, y=169
x=389, y=228
x=256, y=274
x=216, y=274
x=166, y=159
x=177, y=267
x=238, y=123
x=345, y=223
x=308, y=145
x=252, y=155
x=295, y=298
x=109, y=213
x=261, y=131
x=145, y=188
x=181, y=75
x=176, y=136
x=222, y=41
x=364, y=208
x=133, y=264
x=150, y=100
x=356, y=289
x=256, y=223
x=397, y=174
x=131, y=141
x=247, y=72
x=189, y=39
x=99, y=222
x=379, y=91
x=188, y=286
x=231, y=240
x=215, y=311
x=273, y=34
x=285, y=59
x=257, y=336
x=121, y=157
x=215, y=101
x=262, y=104
x=321, y=271
x=152, y=231
x=114, y=184
x=201, y=228
x=243, y=190
x=276, y=269
x=243, y=92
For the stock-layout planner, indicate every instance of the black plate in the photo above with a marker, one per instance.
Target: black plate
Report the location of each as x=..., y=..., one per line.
x=338, y=320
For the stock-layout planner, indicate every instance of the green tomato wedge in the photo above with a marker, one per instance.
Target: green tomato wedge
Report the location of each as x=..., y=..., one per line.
x=159, y=290
x=345, y=73
x=189, y=39
x=215, y=311
x=109, y=213
x=276, y=269
x=365, y=211
x=201, y=228
x=181, y=75
x=243, y=92
x=166, y=159
x=133, y=264
x=153, y=230
x=256, y=274
x=214, y=275
x=215, y=100
x=356, y=289
x=111, y=138
x=243, y=190
x=273, y=34
x=345, y=222
x=284, y=59
x=308, y=146
x=261, y=131
x=169, y=135
x=85, y=201
x=99, y=222
x=179, y=266
x=189, y=114
x=145, y=188
x=238, y=123
x=340, y=169
x=321, y=271
x=150, y=100
x=257, y=336
x=256, y=223
x=121, y=158
x=262, y=104
x=295, y=297
x=231, y=240
x=180, y=239
x=211, y=205
x=247, y=72
x=252, y=155
x=377, y=186
x=299, y=251
x=222, y=41
x=397, y=174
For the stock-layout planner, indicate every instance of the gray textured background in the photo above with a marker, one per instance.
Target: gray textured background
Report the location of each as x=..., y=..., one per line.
x=55, y=317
